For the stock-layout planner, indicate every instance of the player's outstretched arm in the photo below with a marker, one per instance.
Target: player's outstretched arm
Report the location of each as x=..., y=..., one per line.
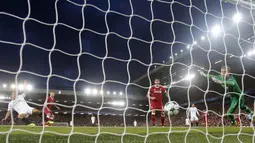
x=9, y=110
x=205, y=75
x=6, y=115
x=56, y=107
x=149, y=96
x=198, y=113
x=220, y=81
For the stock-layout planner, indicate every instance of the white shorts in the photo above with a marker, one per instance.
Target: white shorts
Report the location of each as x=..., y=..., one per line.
x=193, y=118
x=24, y=109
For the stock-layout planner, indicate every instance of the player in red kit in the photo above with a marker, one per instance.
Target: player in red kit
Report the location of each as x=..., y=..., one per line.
x=155, y=99
x=237, y=120
x=205, y=118
x=48, y=115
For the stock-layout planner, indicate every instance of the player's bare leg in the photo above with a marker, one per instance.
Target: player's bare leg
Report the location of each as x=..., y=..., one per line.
x=21, y=116
x=162, y=118
x=153, y=117
x=36, y=112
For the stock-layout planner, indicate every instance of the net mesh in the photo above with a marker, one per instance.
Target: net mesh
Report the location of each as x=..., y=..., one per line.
x=173, y=24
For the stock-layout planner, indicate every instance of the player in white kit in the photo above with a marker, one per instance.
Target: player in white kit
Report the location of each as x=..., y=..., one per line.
x=20, y=105
x=193, y=115
x=93, y=119
x=135, y=123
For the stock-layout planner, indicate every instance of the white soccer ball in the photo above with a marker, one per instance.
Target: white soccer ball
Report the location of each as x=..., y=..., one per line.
x=171, y=108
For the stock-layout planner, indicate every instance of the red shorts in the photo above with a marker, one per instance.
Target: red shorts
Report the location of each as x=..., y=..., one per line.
x=156, y=105
x=47, y=112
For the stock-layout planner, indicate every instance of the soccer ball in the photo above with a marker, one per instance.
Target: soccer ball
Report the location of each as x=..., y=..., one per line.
x=171, y=108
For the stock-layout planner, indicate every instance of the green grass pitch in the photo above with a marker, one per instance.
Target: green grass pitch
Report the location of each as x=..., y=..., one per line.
x=21, y=134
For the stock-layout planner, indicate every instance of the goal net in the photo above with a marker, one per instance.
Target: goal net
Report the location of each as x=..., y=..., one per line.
x=101, y=58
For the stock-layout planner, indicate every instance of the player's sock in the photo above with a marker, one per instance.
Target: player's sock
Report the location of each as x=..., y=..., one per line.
x=153, y=120
x=197, y=124
x=26, y=121
x=163, y=121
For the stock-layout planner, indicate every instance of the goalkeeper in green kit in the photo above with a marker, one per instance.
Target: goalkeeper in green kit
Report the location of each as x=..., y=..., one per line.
x=227, y=81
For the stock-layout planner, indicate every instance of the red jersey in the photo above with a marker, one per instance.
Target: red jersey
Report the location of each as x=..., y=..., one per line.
x=157, y=92
x=50, y=100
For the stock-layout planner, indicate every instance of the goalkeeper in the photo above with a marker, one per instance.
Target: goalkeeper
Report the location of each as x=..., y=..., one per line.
x=227, y=81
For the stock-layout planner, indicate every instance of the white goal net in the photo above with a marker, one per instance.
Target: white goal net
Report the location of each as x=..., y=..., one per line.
x=101, y=58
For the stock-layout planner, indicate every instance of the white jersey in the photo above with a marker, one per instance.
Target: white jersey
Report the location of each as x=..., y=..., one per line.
x=135, y=123
x=193, y=114
x=20, y=105
x=93, y=119
x=193, y=111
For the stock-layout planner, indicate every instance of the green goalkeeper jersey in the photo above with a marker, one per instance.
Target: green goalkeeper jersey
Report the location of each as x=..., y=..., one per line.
x=231, y=85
